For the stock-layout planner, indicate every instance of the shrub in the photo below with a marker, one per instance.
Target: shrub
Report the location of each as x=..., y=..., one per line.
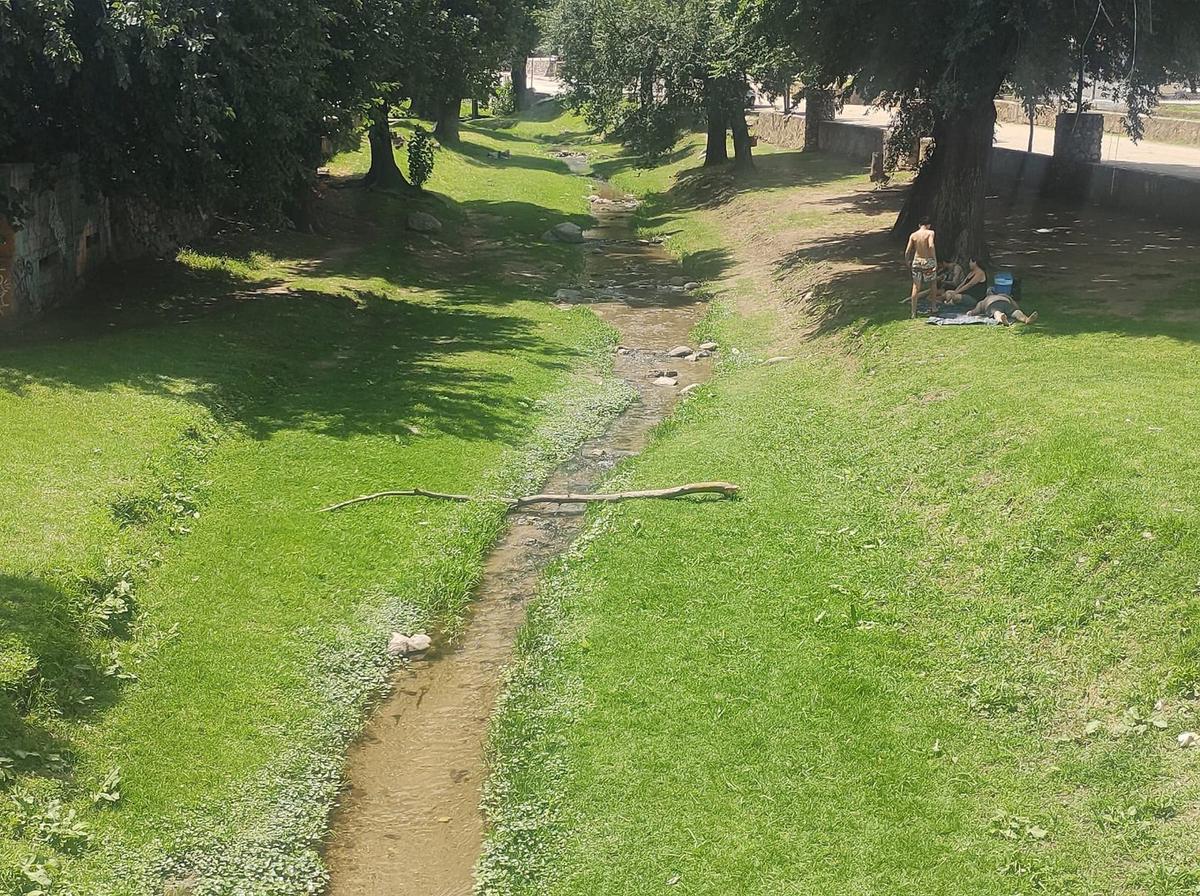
x=503, y=101
x=420, y=157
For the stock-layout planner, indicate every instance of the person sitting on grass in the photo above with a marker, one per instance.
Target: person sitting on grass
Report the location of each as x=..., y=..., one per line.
x=973, y=287
x=921, y=254
x=1003, y=309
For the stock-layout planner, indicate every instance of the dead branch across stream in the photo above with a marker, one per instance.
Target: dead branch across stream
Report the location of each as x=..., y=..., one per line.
x=696, y=488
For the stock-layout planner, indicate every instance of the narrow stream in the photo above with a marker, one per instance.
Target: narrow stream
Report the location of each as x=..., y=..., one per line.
x=410, y=821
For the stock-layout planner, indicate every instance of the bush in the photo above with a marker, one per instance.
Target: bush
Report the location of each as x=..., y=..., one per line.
x=420, y=157
x=503, y=101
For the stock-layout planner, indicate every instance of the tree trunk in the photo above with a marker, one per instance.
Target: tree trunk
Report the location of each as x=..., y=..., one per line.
x=952, y=185
x=743, y=157
x=716, y=151
x=384, y=172
x=446, y=129
x=520, y=82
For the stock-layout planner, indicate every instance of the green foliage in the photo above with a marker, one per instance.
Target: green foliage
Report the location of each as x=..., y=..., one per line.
x=645, y=71
x=420, y=157
x=503, y=100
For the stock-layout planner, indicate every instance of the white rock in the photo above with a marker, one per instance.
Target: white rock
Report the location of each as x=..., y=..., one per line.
x=666, y=381
x=688, y=390
x=1188, y=739
x=680, y=351
x=566, y=232
x=691, y=285
x=709, y=346
x=423, y=222
x=407, y=645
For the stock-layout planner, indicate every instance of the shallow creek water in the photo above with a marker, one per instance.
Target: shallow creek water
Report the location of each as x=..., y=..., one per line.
x=410, y=822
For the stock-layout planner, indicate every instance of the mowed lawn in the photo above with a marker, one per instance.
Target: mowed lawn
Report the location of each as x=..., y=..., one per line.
x=945, y=641
x=177, y=623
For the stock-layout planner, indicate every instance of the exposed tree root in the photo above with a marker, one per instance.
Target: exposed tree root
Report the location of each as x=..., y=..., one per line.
x=719, y=488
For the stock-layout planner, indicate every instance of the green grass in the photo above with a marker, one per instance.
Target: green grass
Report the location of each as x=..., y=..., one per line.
x=170, y=449
x=942, y=644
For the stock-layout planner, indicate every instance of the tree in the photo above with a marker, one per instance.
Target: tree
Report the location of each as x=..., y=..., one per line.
x=955, y=55
x=170, y=100
x=645, y=71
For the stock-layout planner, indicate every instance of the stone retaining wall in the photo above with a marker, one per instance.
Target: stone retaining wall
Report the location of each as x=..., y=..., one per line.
x=854, y=141
x=1144, y=193
x=64, y=233
x=61, y=236
x=1158, y=130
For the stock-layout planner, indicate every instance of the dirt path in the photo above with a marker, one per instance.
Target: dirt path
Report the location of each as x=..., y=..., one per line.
x=410, y=822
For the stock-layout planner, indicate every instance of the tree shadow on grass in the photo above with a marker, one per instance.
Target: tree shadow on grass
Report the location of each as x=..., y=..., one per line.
x=1083, y=269
x=42, y=631
x=266, y=358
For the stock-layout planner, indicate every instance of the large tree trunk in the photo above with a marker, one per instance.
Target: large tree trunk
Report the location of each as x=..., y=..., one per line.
x=520, y=80
x=384, y=172
x=743, y=157
x=716, y=151
x=952, y=185
x=446, y=129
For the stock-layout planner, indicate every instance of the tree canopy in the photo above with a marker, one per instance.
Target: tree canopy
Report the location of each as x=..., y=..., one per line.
x=229, y=99
x=644, y=70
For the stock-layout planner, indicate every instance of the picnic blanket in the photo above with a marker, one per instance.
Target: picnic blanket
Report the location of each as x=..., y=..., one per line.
x=958, y=319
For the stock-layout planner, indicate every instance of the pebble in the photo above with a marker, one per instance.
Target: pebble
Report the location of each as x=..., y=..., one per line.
x=1188, y=739
x=680, y=351
x=708, y=346
x=407, y=645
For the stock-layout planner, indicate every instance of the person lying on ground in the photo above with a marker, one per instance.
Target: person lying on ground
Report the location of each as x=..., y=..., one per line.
x=974, y=285
x=921, y=254
x=1003, y=309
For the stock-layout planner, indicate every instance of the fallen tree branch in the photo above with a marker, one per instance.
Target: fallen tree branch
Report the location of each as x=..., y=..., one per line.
x=696, y=488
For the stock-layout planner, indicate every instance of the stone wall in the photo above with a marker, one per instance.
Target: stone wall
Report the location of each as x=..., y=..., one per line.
x=780, y=130
x=1158, y=130
x=1079, y=138
x=1144, y=193
x=62, y=235
x=854, y=141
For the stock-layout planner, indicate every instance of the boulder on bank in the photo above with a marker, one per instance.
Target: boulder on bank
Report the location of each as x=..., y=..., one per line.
x=680, y=351
x=423, y=222
x=566, y=232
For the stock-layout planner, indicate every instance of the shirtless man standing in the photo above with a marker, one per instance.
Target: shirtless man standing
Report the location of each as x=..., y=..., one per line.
x=922, y=255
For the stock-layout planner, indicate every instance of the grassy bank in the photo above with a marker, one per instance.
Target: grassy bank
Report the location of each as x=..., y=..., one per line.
x=177, y=624
x=946, y=639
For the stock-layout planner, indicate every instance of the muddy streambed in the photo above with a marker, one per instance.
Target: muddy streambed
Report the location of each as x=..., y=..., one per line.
x=410, y=821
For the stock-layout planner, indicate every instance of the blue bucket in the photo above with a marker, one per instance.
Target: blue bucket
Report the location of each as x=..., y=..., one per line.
x=1003, y=284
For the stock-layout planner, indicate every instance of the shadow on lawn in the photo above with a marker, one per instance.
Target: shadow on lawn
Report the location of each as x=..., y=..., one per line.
x=1083, y=269
x=48, y=661
x=350, y=355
